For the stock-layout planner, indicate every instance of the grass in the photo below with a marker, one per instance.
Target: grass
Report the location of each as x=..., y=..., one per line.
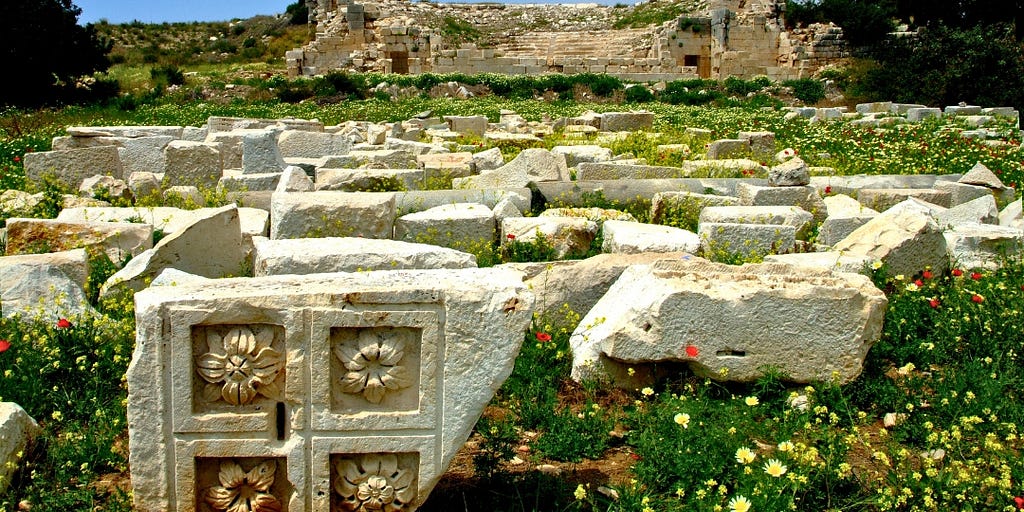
x=931, y=424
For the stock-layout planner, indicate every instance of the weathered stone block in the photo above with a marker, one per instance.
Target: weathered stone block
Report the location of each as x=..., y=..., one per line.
x=119, y=240
x=72, y=166
x=635, y=237
x=330, y=254
x=18, y=430
x=461, y=226
x=192, y=163
x=405, y=362
x=626, y=121
x=905, y=237
x=702, y=314
x=575, y=155
x=747, y=240
x=305, y=144
x=320, y=214
x=467, y=125
x=776, y=215
x=568, y=235
x=882, y=199
x=805, y=197
x=982, y=245
x=728, y=148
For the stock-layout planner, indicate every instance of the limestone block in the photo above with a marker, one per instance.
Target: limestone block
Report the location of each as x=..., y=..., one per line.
x=1012, y=215
x=442, y=166
x=960, y=193
x=747, y=240
x=979, y=211
x=18, y=431
x=72, y=166
x=577, y=285
x=260, y=153
x=368, y=179
x=119, y=240
x=488, y=160
x=876, y=107
x=192, y=163
x=845, y=215
x=440, y=342
x=467, y=125
x=882, y=199
x=723, y=167
x=921, y=113
x=587, y=171
x=106, y=187
x=793, y=216
x=538, y=164
x=905, y=237
x=306, y=144
x=294, y=179
x=968, y=110
x=701, y=313
x=253, y=221
x=791, y=173
x=44, y=286
x=982, y=245
x=461, y=226
x=635, y=237
x=144, y=184
x=235, y=181
x=673, y=207
x=761, y=143
x=805, y=197
x=728, y=148
x=323, y=213
x=626, y=121
x=982, y=176
x=339, y=254
x=568, y=235
x=575, y=155
x=830, y=260
x=380, y=158
x=211, y=246
x=593, y=214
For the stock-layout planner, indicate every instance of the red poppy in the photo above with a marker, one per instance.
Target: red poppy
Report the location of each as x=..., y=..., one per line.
x=63, y=323
x=934, y=303
x=510, y=236
x=828, y=189
x=17, y=159
x=691, y=351
x=977, y=299
x=957, y=272
x=975, y=275
x=919, y=283
x=543, y=336
x=1018, y=502
x=4, y=345
x=927, y=274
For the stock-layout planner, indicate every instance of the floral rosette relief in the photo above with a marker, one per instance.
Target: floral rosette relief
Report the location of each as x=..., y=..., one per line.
x=374, y=363
x=375, y=482
x=244, y=491
x=240, y=365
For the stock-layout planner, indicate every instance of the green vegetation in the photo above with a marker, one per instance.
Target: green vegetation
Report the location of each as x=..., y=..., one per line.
x=652, y=13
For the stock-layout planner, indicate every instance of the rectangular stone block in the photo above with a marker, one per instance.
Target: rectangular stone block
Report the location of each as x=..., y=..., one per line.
x=320, y=214
x=72, y=166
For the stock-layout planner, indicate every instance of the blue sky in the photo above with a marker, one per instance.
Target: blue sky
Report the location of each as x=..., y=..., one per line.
x=159, y=11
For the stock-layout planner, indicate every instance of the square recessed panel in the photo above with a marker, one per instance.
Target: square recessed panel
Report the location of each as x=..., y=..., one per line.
x=207, y=471
x=230, y=372
x=375, y=369
x=398, y=461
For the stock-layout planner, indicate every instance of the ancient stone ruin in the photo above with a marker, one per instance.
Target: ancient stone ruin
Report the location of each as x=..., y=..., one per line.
x=743, y=38
x=346, y=373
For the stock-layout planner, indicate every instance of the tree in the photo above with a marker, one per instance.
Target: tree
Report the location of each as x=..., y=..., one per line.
x=44, y=51
x=864, y=22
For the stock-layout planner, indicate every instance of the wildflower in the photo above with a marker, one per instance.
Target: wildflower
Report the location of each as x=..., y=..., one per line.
x=680, y=492
x=580, y=493
x=510, y=237
x=934, y=303
x=63, y=323
x=975, y=275
x=739, y=504
x=4, y=345
x=876, y=265
x=913, y=287
x=691, y=351
x=828, y=189
x=682, y=419
x=919, y=283
x=751, y=401
x=927, y=274
x=977, y=299
x=1018, y=502
x=17, y=159
x=543, y=336
x=774, y=468
x=957, y=272
x=646, y=391
x=786, y=446
x=745, y=455
x=631, y=372
x=899, y=277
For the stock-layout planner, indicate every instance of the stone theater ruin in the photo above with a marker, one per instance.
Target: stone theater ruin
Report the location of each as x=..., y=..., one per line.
x=743, y=38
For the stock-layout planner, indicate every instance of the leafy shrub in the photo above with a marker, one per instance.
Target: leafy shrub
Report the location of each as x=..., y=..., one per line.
x=807, y=90
x=166, y=75
x=639, y=94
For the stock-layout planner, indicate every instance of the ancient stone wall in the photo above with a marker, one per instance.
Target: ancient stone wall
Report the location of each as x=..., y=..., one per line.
x=743, y=38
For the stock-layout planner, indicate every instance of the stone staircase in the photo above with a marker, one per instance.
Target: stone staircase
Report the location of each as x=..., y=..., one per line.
x=627, y=43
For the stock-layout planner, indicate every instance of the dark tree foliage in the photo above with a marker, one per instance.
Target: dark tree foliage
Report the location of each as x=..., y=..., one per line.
x=298, y=13
x=44, y=50
x=942, y=65
x=962, y=13
x=864, y=21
